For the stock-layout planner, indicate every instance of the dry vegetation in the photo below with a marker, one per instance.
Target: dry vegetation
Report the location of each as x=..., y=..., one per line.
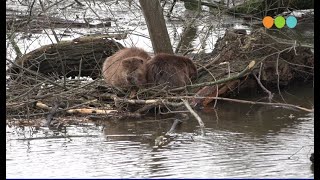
x=40, y=91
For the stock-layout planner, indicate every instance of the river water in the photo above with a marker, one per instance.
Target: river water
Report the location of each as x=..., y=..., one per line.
x=241, y=141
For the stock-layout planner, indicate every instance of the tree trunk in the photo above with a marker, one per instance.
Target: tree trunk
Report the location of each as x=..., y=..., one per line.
x=153, y=15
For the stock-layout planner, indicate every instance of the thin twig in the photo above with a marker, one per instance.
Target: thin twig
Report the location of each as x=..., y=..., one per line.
x=173, y=127
x=278, y=78
x=264, y=88
x=185, y=32
x=239, y=75
x=247, y=102
x=50, y=24
x=36, y=74
x=201, y=124
x=15, y=45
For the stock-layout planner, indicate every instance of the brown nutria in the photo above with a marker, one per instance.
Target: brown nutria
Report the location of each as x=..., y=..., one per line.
x=174, y=70
x=126, y=68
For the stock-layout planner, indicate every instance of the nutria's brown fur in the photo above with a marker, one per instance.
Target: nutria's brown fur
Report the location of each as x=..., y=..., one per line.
x=174, y=70
x=126, y=68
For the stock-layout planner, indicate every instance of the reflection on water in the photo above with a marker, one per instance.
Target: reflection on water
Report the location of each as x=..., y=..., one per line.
x=241, y=141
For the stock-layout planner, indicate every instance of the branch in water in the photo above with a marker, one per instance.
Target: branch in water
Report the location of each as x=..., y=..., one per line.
x=198, y=118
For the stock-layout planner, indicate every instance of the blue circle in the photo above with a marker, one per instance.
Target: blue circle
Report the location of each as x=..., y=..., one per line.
x=291, y=21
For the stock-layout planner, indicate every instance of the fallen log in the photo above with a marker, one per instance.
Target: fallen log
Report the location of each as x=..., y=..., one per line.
x=270, y=7
x=20, y=23
x=80, y=57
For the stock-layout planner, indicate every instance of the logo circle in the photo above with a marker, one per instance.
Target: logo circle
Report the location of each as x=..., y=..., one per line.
x=279, y=22
x=291, y=21
x=267, y=22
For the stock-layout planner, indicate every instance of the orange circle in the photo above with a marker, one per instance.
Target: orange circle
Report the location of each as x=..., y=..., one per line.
x=267, y=22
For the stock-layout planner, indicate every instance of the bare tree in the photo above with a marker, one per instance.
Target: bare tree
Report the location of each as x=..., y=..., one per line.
x=153, y=15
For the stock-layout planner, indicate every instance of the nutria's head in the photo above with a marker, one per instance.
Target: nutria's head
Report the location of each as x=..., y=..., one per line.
x=135, y=71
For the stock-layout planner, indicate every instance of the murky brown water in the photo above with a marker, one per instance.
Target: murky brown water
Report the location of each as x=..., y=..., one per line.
x=244, y=141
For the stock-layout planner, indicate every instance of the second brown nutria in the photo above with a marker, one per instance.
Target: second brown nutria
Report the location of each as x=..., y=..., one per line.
x=173, y=70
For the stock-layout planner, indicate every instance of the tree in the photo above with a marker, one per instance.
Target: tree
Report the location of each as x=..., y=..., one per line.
x=157, y=28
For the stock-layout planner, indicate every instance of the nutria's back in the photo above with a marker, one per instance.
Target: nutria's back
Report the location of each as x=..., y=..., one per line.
x=173, y=70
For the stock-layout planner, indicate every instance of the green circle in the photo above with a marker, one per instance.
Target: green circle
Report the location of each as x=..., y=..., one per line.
x=279, y=22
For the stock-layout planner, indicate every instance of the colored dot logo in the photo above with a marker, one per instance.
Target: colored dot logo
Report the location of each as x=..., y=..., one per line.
x=267, y=22
x=279, y=22
x=291, y=21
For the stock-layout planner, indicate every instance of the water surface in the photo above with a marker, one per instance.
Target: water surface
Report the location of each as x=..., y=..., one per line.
x=241, y=141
